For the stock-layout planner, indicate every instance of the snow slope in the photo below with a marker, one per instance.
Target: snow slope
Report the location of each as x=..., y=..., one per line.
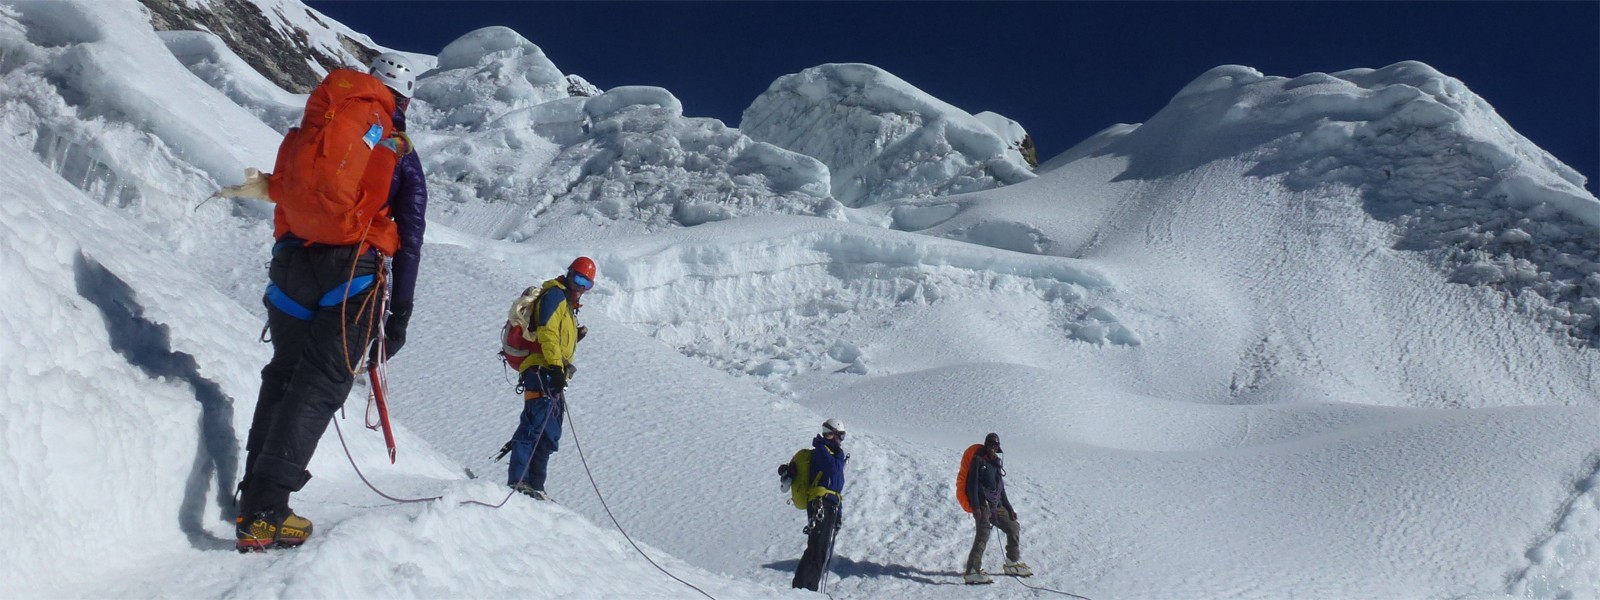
x=1424, y=159
x=1227, y=355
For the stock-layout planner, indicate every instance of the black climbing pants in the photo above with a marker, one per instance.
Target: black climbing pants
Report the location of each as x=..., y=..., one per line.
x=824, y=524
x=312, y=367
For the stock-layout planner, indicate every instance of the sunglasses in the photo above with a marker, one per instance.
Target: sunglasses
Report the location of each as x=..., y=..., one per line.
x=836, y=434
x=582, y=282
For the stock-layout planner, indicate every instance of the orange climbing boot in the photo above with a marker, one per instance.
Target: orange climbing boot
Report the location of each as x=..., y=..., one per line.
x=264, y=530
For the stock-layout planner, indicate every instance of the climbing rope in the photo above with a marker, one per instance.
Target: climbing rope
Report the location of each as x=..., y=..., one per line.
x=375, y=490
x=572, y=425
x=1045, y=589
x=363, y=476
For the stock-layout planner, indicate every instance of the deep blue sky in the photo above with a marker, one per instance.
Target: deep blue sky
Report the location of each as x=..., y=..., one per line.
x=1063, y=70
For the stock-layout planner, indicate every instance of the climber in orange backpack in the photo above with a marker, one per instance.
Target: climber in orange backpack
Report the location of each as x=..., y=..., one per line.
x=981, y=488
x=348, y=199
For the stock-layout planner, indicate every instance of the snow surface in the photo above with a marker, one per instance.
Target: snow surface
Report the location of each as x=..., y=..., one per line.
x=1229, y=354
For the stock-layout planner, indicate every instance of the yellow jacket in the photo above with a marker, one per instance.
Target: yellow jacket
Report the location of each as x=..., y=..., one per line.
x=553, y=326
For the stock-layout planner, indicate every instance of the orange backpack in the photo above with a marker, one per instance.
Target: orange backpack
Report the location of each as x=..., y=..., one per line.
x=961, y=478
x=331, y=181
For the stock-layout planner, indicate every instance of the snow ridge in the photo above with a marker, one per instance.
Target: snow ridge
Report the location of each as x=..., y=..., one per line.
x=1427, y=155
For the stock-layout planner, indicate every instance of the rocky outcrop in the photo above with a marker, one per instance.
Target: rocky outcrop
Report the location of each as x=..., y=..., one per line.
x=580, y=87
x=269, y=40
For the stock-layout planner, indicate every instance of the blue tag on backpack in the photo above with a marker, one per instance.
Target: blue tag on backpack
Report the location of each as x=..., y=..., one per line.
x=373, y=136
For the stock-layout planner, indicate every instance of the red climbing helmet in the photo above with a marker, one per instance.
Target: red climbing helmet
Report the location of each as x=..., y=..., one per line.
x=581, y=273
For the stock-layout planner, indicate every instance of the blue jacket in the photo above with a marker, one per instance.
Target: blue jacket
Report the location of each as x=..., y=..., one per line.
x=827, y=463
x=408, y=205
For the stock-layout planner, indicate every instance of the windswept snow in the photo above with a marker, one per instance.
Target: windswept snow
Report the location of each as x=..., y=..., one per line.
x=1289, y=337
x=881, y=137
x=125, y=78
x=205, y=55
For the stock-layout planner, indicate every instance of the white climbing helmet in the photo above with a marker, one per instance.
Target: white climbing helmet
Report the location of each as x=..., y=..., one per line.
x=395, y=71
x=833, y=426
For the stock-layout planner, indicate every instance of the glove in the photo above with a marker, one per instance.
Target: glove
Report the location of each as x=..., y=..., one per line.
x=555, y=379
x=394, y=329
x=254, y=186
x=569, y=371
x=400, y=143
x=583, y=330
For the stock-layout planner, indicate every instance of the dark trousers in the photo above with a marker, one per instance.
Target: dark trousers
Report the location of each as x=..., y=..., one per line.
x=310, y=373
x=986, y=519
x=824, y=520
x=536, y=437
x=538, y=431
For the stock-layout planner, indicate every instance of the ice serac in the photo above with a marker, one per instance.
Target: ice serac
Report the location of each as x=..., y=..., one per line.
x=513, y=141
x=484, y=74
x=1423, y=152
x=881, y=138
x=630, y=155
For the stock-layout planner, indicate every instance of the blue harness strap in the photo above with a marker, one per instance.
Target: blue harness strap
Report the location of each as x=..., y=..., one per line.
x=287, y=304
x=347, y=289
x=335, y=296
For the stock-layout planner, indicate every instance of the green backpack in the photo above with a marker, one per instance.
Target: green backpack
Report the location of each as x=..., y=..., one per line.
x=798, y=469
